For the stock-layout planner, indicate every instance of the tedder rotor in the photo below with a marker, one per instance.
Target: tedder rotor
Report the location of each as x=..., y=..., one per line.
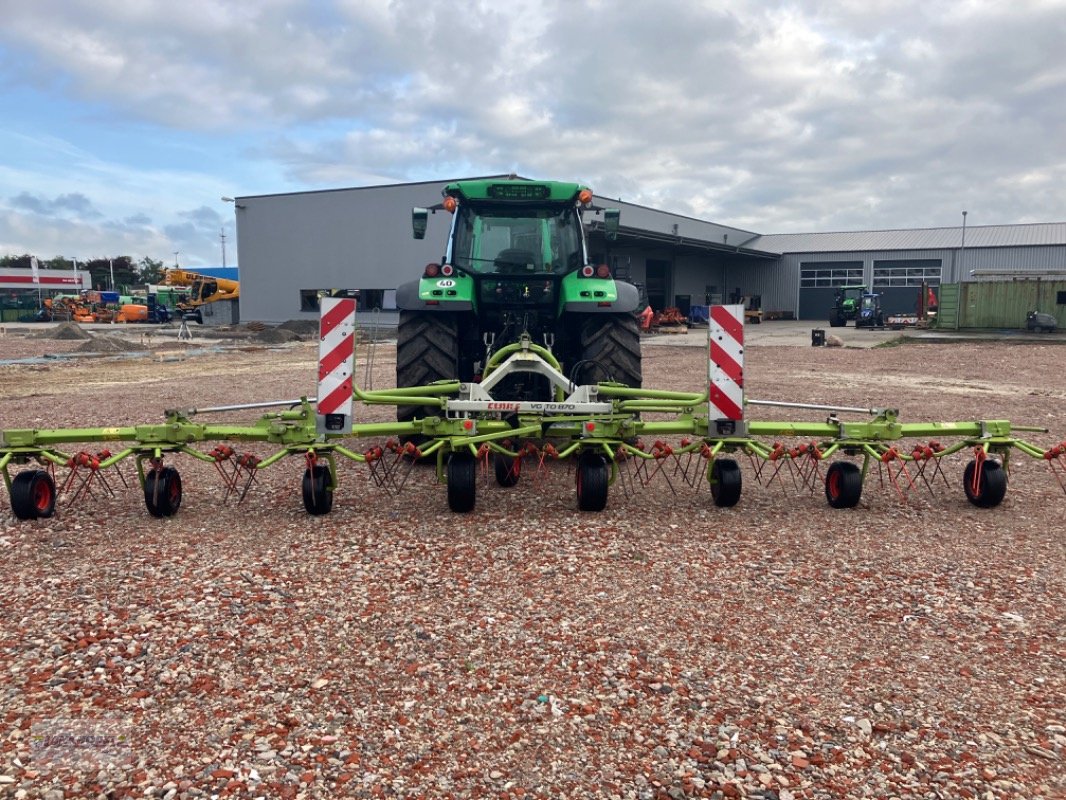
x=600, y=429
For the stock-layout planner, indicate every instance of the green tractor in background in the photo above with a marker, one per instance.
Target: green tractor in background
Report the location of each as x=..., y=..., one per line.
x=516, y=265
x=858, y=304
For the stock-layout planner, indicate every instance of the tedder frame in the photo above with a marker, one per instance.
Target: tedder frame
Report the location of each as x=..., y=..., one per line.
x=601, y=428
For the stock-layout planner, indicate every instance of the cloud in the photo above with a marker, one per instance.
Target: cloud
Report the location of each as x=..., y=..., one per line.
x=75, y=205
x=771, y=117
x=51, y=236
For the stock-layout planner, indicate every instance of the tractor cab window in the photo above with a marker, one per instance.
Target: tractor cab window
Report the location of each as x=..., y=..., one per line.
x=516, y=241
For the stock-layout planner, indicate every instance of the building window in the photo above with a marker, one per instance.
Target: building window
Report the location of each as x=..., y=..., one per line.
x=913, y=272
x=370, y=299
x=830, y=274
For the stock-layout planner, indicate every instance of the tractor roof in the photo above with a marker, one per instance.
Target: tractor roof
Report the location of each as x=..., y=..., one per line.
x=514, y=191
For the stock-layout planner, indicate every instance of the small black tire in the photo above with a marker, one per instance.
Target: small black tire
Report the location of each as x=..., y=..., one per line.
x=992, y=487
x=461, y=476
x=726, y=482
x=843, y=484
x=508, y=469
x=593, y=475
x=162, y=492
x=33, y=494
x=317, y=490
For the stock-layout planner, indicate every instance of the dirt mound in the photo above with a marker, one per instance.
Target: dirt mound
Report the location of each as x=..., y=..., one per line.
x=64, y=330
x=303, y=327
x=276, y=336
x=108, y=344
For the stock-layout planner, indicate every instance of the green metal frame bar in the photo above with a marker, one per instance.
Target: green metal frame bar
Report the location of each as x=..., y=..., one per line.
x=294, y=431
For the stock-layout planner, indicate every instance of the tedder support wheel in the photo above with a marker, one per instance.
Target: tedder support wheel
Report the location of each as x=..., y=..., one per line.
x=162, y=492
x=508, y=469
x=725, y=482
x=991, y=487
x=33, y=494
x=317, y=490
x=462, y=482
x=843, y=484
x=592, y=478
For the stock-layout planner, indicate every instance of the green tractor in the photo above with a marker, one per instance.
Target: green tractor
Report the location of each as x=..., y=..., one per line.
x=516, y=267
x=858, y=304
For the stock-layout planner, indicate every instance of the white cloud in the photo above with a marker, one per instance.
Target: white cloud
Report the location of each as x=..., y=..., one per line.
x=811, y=115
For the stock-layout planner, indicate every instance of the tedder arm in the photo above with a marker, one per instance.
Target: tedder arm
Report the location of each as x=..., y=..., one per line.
x=600, y=429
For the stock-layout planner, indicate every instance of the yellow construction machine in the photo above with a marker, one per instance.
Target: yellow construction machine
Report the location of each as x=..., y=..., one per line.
x=203, y=289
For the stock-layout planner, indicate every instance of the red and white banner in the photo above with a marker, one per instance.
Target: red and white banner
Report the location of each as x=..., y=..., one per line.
x=336, y=363
x=726, y=336
x=60, y=280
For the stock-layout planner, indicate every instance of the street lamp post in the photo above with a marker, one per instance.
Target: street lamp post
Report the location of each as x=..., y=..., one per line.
x=962, y=250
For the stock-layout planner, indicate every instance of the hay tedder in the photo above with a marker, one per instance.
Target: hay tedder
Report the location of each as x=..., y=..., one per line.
x=600, y=430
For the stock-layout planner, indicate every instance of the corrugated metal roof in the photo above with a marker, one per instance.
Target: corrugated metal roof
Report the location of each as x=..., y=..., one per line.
x=1040, y=233
x=680, y=229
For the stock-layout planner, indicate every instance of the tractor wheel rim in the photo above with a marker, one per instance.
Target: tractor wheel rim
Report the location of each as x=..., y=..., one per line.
x=833, y=485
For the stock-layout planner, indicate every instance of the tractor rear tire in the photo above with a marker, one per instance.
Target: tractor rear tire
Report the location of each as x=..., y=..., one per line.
x=843, y=484
x=992, y=487
x=610, y=342
x=462, y=482
x=593, y=476
x=162, y=492
x=33, y=494
x=726, y=482
x=317, y=491
x=427, y=350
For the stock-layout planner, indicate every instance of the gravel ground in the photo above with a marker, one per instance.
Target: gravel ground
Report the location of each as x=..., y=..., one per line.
x=662, y=648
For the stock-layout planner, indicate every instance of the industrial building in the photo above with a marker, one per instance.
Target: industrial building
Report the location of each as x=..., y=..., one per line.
x=292, y=246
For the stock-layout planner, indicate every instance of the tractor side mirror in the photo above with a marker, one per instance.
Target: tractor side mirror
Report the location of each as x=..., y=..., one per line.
x=419, y=221
x=611, y=218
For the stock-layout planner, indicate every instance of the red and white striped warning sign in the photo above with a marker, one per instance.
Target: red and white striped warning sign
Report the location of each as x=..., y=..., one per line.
x=336, y=356
x=727, y=363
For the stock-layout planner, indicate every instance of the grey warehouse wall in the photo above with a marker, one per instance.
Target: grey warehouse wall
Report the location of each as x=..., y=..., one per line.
x=343, y=239
x=361, y=239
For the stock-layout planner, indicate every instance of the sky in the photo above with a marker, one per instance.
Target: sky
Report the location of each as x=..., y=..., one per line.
x=124, y=122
